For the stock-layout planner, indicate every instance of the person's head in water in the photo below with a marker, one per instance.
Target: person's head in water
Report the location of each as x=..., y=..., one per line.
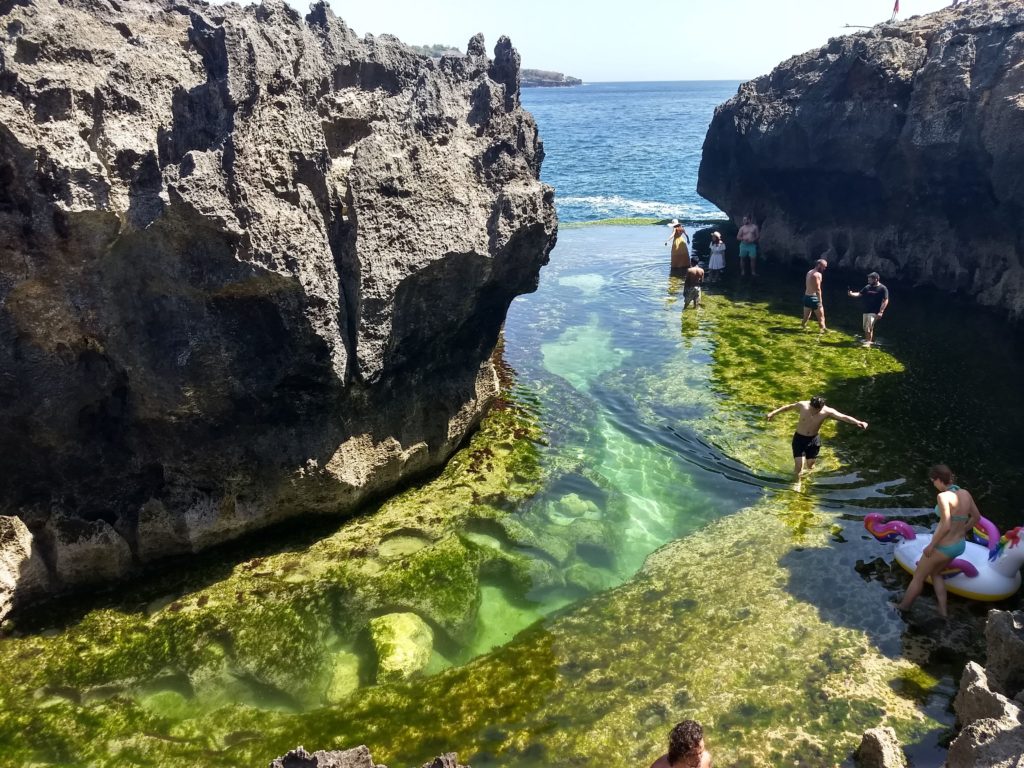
x=817, y=402
x=685, y=741
x=821, y=265
x=874, y=277
x=942, y=473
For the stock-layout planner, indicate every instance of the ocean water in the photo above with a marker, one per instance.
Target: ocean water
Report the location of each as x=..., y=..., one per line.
x=627, y=150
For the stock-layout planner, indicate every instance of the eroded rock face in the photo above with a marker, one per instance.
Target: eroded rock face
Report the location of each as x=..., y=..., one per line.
x=990, y=703
x=251, y=266
x=896, y=150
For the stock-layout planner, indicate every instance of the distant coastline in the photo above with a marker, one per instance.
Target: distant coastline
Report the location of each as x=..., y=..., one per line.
x=540, y=78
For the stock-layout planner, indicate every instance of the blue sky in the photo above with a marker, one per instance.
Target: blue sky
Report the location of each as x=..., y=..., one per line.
x=653, y=40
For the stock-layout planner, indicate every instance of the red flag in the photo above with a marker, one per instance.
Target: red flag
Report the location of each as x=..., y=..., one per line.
x=896, y=8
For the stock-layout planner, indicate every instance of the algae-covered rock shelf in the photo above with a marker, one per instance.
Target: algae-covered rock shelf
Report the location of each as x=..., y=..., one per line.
x=253, y=267
x=896, y=149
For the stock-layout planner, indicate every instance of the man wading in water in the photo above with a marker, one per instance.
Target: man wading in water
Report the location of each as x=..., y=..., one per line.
x=692, y=283
x=806, y=442
x=875, y=298
x=812, y=294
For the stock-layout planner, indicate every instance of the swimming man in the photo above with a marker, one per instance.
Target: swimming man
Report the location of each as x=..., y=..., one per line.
x=685, y=748
x=813, y=305
x=806, y=441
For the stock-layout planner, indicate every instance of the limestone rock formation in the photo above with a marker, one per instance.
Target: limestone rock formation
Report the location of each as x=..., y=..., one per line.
x=990, y=703
x=897, y=149
x=251, y=267
x=879, y=748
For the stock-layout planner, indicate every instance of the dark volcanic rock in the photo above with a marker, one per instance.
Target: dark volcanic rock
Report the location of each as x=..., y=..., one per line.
x=251, y=266
x=898, y=149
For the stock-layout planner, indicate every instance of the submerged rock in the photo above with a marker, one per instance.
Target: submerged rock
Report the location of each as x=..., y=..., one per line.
x=252, y=266
x=897, y=150
x=404, y=643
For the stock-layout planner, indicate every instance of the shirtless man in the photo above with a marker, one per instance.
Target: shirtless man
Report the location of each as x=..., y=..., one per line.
x=692, y=283
x=748, y=235
x=806, y=442
x=685, y=748
x=812, y=294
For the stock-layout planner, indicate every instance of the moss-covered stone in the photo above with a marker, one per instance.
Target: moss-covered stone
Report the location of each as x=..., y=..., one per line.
x=403, y=643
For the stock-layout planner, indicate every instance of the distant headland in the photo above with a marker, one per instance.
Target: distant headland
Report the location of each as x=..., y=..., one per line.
x=531, y=78
x=540, y=78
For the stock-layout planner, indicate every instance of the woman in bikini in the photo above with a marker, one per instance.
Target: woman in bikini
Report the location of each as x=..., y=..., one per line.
x=958, y=514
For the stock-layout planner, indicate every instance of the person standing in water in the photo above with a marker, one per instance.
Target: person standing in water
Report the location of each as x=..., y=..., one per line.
x=874, y=299
x=692, y=283
x=685, y=748
x=748, y=235
x=716, y=265
x=813, y=304
x=958, y=514
x=680, y=245
x=806, y=441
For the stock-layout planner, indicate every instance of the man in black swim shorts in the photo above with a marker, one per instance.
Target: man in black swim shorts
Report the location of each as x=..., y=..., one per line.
x=806, y=441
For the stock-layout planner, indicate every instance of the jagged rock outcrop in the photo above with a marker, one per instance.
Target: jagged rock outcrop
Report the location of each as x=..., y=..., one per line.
x=358, y=757
x=251, y=267
x=990, y=703
x=897, y=150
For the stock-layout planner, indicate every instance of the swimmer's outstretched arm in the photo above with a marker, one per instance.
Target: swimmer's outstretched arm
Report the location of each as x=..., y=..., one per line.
x=833, y=413
x=780, y=409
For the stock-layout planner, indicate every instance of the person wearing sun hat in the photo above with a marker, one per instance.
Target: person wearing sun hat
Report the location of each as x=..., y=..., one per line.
x=716, y=265
x=680, y=245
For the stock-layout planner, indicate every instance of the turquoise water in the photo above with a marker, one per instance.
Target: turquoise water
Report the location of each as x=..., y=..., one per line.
x=626, y=149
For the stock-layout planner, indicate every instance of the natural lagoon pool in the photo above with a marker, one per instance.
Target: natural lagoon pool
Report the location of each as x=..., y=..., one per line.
x=617, y=549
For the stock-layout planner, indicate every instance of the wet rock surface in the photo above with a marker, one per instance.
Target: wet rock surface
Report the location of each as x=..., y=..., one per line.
x=895, y=149
x=880, y=749
x=252, y=267
x=358, y=757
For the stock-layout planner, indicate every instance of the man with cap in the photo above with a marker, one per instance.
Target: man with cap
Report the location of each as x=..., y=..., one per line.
x=874, y=298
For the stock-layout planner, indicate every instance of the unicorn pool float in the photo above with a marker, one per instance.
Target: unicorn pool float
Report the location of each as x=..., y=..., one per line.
x=988, y=569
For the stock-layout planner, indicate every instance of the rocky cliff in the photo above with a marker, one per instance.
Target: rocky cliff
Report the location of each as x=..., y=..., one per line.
x=542, y=78
x=898, y=150
x=251, y=267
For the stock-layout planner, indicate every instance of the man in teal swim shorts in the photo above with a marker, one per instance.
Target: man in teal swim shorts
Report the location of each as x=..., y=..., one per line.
x=748, y=235
x=813, y=304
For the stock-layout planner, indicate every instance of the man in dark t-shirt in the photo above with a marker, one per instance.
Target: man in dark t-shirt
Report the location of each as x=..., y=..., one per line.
x=875, y=298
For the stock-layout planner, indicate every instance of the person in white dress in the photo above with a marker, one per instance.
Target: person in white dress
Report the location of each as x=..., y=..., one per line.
x=717, y=263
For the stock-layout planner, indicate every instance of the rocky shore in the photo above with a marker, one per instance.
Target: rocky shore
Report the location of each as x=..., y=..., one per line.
x=253, y=267
x=897, y=150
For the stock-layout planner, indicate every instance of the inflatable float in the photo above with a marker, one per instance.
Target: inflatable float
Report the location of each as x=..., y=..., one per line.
x=989, y=568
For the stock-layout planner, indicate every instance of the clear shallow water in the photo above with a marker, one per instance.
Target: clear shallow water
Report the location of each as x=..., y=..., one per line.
x=626, y=149
x=761, y=610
